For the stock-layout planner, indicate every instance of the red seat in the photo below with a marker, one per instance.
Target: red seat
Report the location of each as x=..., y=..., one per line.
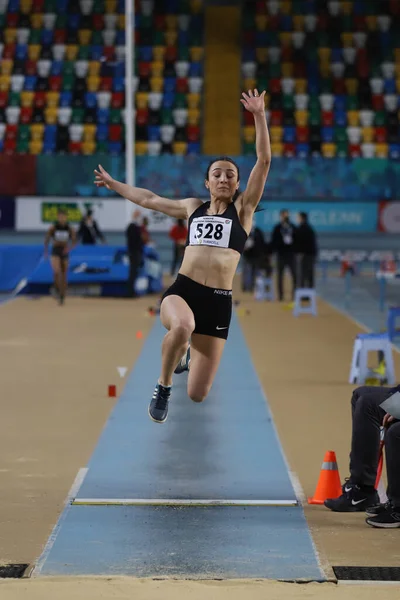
x=261, y=7
x=25, y=116
x=74, y=147
x=380, y=135
x=286, y=55
x=182, y=85
x=37, y=6
x=276, y=117
x=142, y=116
x=9, y=146
x=12, y=20
x=144, y=69
x=395, y=7
x=327, y=118
x=109, y=53
x=289, y=149
x=299, y=70
x=40, y=99
x=248, y=118
x=160, y=22
x=30, y=67
x=378, y=102
x=193, y=133
x=354, y=150
x=11, y=132
x=302, y=134
x=3, y=99
x=249, y=38
x=171, y=54
x=275, y=86
x=118, y=100
x=106, y=84
x=322, y=22
x=273, y=22
x=360, y=22
x=60, y=35
x=339, y=87
x=98, y=22
x=55, y=82
x=363, y=70
x=9, y=51
x=115, y=133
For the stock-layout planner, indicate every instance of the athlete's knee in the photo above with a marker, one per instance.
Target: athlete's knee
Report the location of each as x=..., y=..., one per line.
x=183, y=329
x=198, y=393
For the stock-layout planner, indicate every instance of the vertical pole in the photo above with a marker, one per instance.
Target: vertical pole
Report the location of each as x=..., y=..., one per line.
x=129, y=104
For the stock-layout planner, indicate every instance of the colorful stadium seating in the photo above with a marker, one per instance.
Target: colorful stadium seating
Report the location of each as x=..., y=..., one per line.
x=62, y=76
x=331, y=70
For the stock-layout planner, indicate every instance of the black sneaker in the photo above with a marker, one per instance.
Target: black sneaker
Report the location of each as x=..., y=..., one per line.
x=158, y=408
x=376, y=509
x=388, y=519
x=353, y=499
x=184, y=363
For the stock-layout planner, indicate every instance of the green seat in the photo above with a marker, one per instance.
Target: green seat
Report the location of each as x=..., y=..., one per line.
x=68, y=67
x=342, y=148
x=314, y=103
x=180, y=101
x=2, y=21
x=352, y=103
x=98, y=7
x=274, y=40
x=102, y=148
x=50, y=6
x=35, y=36
x=183, y=53
x=78, y=115
x=61, y=22
x=340, y=134
x=370, y=7
x=288, y=102
x=22, y=146
x=166, y=116
x=68, y=82
x=146, y=22
x=347, y=23
x=380, y=118
x=323, y=40
x=97, y=38
x=248, y=149
x=275, y=70
x=312, y=54
x=314, y=117
x=14, y=99
x=262, y=84
x=159, y=38
x=184, y=7
x=196, y=39
x=248, y=21
x=84, y=53
x=298, y=7
x=23, y=133
x=115, y=116
x=326, y=86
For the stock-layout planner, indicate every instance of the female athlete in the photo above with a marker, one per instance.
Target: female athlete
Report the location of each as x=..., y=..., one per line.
x=198, y=305
x=61, y=234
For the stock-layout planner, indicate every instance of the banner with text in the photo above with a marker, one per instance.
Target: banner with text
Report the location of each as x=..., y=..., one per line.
x=389, y=217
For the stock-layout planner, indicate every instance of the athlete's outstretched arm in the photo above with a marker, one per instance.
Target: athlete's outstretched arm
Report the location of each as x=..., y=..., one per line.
x=178, y=209
x=255, y=104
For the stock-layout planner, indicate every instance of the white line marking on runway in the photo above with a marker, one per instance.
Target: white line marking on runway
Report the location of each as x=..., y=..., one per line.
x=177, y=502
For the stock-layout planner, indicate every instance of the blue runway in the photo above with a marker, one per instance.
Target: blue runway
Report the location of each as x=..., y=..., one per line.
x=224, y=450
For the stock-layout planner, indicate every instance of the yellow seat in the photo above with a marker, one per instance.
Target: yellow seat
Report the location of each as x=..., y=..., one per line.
x=347, y=7
x=34, y=51
x=25, y=6
x=381, y=150
x=171, y=38
x=325, y=69
x=121, y=21
x=286, y=38
x=36, y=20
x=5, y=81
x=35, y=147
x=196, y=53
x=50, y=115
x=156, y=84
x=158, y=52
x=371, y=22
x=93, y=68
x=276, y=133
x=89, y=132
x=397, y=55
x=249, y=84
x=6, y=66
x=193, y=100
x=37, y=131
x=171, y=22
x=287, y=69
x=351, y=86
x=261, y=22
x=10, y=35
x=300, y=86
x=157, y=68
x=71, y=51
x=353, y=118
x=368, y=134
x=286, y=7
x=111, y=6
x=262, y=55
x=301, y=117
x=324, y=54
x=93, y=83
x=347, y=39
x=267, y=99
x=277, y=149
x=52, y=99
x=196, y=6
x=249, y=134
x=298, y=22
x=142, y=99
x=397, y=68
x=328, y=150
x=193, y=116
x=398, y=85
x=140, y=148
x=88, y=147
x=84, y=37
x=179, y=148
x=27, y=99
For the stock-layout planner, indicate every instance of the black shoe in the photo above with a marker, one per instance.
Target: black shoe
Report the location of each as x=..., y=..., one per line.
x=183, y=364
x=158, y=408
x=388, y=519
x=61, y=300
x=376, y=509
x=353, y=499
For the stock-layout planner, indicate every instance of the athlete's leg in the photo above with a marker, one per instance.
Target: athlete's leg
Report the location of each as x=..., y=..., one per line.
x=177, y=317
x=55, y=262
x=64, y=277
x=205, y=356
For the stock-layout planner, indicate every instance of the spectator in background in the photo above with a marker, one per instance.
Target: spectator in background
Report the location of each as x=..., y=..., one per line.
x=178, y=234
x=89, y=231
x=306, y=247
x=145, y=231
x=283, y=245
x=253, y=256
x=134, y=242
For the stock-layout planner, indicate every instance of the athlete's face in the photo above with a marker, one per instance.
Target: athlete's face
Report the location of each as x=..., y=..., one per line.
x=222, y=180
x=62, y=218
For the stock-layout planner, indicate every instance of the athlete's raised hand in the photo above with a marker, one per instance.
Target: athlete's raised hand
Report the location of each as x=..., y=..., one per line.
x=103, y=179
x=253, y=101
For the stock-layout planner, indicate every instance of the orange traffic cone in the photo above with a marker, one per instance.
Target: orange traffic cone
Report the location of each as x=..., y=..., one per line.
x=328, y=485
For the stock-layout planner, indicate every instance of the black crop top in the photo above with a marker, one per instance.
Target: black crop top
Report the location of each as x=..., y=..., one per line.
x=221, y=231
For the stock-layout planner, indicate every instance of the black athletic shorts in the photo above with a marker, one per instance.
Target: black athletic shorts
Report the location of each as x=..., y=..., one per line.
x=59, y=251
x=211, y=307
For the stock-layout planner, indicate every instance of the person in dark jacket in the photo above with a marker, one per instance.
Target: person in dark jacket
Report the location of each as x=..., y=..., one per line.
x=89, y=230
x=306, y=247
x=283, y=245
x=134, y=242
x=254, y=251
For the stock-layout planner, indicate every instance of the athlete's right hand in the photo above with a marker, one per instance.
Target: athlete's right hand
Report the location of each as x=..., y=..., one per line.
x=103, y=179
x=387, y=419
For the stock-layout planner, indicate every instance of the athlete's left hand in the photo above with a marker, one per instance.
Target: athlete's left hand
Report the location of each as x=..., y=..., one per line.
x=253, y=101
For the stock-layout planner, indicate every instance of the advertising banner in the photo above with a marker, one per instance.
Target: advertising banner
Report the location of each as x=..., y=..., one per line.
x=389, y=217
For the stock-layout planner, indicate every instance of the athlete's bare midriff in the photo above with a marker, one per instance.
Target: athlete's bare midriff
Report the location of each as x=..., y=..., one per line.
x=213, y=267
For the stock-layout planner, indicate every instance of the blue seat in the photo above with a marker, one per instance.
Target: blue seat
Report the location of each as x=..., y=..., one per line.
x=386, y=39
x=119, y=69
x=262, y=38
x=96, y=52
x=339, y=103
x=115, y=148
x=302, y=149
x=286, y=23
x=103, y=116
x=74, y=21
x=1, y=145
x=145, y=53
x=62, y=6
x=168, y=99
x=249, y=54
x=102, y=132
x=327, y=134
x=359, y=7
x=171, y=6
x=169, y=84
x=337, y=55
x=21, y=51
x=118, y=84
x=56, y=67
x=65, y=98
x=389, y=86
x=193, y=148
x=13, y=6
x=49, y=146
x=47, y=37
x=289, y=134
x=340, y=117
x=50, y=132
x=313, y=85
x=91, y=100
x=30, y=83
x=120, y=37
x=153, y=133
x=195, y=69
x=394, y=150
x=184, y=38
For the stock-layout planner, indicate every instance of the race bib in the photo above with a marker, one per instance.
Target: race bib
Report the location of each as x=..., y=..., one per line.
x=210, y=231
x=61, y=235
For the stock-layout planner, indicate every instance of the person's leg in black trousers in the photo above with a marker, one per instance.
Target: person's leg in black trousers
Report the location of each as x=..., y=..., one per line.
x=309, y=265
x=392, y=452
x=280, y=267
x=367, y=417
x=134, y=265
x=291, y=263
x=302, y=271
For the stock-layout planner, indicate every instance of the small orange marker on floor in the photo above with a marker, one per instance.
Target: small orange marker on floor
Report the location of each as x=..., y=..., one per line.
x=112, y=391
x=139, y=335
